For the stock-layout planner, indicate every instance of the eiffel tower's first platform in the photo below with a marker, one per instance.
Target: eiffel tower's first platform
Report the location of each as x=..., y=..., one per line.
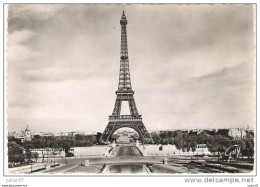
x=124, y=93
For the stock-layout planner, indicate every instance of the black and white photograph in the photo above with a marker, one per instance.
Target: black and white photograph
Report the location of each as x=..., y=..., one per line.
x=130, y=89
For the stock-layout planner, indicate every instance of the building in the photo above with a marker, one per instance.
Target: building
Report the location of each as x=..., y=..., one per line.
x=23, y=135
x=201, y=149
x=47, y=152
x=237, y=133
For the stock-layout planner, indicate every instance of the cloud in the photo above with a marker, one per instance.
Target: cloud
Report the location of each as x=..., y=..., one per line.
x=18, y=104
x=16, y=50
x=54, y=75
x=242, y=73
x=35, y=9
x=225, y=97
x=31, y=14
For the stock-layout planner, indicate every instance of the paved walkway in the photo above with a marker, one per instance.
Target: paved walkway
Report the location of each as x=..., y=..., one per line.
x=59, y=169
x=28, y=168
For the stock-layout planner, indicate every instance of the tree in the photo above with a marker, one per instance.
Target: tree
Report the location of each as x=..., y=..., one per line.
x=28, y=155
x=28, y=145
x=66, y=144
x=156, y=138
x=16, y=140
x=193, y=146
x=179, y=141
x=135, y=137
x=192, y=139
x=187, y=146
x=53, y=144
x=219, y=144
x=164, y=141
x=203, y=137
x=247, y=148
x=147, y=140
x=113, y=137
x=15, y=152
x=171, y=140
x=35, y=156
x=98, y=136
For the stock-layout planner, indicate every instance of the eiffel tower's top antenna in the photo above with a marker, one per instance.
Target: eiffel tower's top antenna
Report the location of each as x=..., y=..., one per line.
x=123, y=15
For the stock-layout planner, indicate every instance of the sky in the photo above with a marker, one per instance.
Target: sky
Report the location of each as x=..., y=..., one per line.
x=191, y=66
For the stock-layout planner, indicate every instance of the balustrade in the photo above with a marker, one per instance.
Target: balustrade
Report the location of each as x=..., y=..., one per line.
x=125, y=118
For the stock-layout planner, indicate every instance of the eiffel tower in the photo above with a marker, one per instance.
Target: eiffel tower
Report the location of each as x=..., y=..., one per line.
x=124, y=93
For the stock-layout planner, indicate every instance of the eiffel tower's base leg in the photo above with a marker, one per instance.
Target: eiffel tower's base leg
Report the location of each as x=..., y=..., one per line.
x=113, y=126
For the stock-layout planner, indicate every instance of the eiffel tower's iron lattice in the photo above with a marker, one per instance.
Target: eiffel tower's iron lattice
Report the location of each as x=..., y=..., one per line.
x=124, y=93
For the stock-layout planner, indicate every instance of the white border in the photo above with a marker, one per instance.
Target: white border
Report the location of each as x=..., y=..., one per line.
x=105, y=181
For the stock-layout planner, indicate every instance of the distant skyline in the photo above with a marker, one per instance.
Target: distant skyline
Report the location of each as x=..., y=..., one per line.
x=191, y=66
x=125, y=129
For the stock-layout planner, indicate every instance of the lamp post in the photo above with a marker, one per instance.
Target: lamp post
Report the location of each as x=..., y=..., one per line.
x=24, y=152
x=65, y=158
x=54, y=158
x=47, y=154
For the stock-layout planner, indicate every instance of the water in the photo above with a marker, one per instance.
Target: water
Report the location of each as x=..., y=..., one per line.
x=126, y=168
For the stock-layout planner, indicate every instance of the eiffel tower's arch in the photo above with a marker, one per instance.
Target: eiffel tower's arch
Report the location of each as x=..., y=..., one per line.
x=120, y=127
